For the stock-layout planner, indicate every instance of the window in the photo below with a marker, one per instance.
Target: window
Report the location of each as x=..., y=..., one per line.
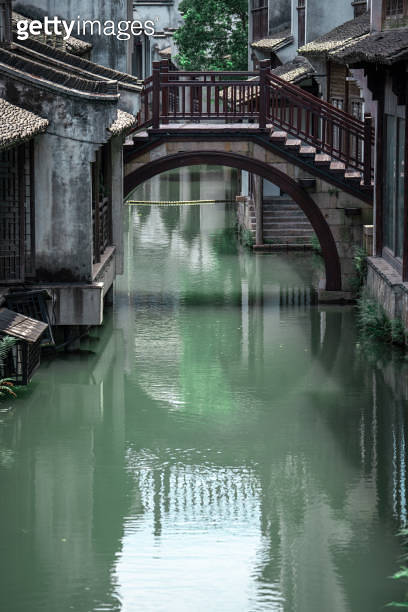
x=260, y=28
x=393, y=190
x=394, y=8
x=101, y=201
x=16, y=214
x=301, y=8
x=5, y=22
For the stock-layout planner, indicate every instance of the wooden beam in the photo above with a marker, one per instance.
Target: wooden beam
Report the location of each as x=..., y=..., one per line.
x=405, y=236
x=378, y=177
x=21, y=207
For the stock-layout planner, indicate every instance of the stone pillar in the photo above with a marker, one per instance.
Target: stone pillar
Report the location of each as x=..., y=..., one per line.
x=258, y=197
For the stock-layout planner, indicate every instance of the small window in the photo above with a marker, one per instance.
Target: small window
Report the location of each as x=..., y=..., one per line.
x=301, y=9
x=394, y=8
x=338, y=103
x=357, y=109
x=260, y=27
x=5, y=22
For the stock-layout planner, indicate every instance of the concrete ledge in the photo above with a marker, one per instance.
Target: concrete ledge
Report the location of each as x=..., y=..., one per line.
x=333, y=297
x=385, y=285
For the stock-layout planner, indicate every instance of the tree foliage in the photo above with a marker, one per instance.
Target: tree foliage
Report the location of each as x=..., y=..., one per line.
x=214, y=35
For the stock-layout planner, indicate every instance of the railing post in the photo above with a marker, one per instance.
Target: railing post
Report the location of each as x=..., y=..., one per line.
x=264, y=68
x=164, y=73
x=156, y=96
x=368, y=122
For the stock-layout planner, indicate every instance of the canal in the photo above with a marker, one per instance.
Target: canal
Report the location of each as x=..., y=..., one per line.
x=221, y=444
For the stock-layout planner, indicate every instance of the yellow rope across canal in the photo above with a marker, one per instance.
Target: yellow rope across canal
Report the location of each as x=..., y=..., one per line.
x=175, y=202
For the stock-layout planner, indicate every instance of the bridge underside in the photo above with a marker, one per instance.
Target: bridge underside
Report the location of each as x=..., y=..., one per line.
x=336, y=207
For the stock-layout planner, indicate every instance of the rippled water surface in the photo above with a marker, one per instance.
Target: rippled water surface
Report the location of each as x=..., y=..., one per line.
x=222, y=444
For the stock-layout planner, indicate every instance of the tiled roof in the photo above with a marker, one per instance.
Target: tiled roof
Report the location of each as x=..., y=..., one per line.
x=165, y=52
x=21, y=327
x=124, y=122
x=71, y=45
x=273, y=42
x=338, y=38
x=295, y=71
x=62, y=78
x=61, y=60
x=382, y=47
x=18, y=125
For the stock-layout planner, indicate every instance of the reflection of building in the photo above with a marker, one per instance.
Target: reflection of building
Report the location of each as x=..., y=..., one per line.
x=67, y=517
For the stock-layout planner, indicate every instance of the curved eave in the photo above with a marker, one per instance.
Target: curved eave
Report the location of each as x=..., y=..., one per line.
x=56, y=87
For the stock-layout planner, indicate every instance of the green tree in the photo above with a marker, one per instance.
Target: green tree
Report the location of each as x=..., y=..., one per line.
x=214, y=35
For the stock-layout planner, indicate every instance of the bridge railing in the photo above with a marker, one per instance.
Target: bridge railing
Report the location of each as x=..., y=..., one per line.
x=261, y=98
x=320, y=124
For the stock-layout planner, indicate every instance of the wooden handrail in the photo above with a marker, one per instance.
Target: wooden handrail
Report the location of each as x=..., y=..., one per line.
x=306, y=96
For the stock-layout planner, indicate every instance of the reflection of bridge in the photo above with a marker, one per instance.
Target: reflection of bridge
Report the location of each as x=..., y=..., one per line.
x=317, y=154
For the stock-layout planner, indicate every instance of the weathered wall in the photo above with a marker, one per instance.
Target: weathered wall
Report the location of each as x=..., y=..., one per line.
x=279, y=15
x=385, y=286
x=77, y=127
x=107, y=50
x=347, y=230
x=321, y=17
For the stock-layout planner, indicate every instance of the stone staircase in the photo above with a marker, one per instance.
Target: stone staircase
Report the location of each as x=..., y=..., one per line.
x=351, y=177
x=285, y=226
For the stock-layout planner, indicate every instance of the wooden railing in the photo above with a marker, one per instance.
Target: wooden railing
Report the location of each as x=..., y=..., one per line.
x=320, y=124
x=258, y=97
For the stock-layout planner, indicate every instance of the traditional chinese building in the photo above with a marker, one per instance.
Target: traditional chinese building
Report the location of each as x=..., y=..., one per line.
x=379, y=61
x=62, y=174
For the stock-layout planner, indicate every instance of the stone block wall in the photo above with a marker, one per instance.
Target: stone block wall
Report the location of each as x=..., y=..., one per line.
x=385, y=286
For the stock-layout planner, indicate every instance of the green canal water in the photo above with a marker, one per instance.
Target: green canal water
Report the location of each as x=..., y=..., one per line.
x=221, y=444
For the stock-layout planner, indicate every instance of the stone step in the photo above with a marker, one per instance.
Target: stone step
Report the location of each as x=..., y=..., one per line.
x=285, y=240
x=285, y=214
x=321, y=159
x=288, y=207
x=293, y=143
x=285, y=232
x=338, y=166
x=288, y=226
x=277, y=136
x=353, y=176
x=307, y=151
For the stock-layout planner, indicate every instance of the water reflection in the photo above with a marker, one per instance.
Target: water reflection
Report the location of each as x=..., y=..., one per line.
x=222, y=444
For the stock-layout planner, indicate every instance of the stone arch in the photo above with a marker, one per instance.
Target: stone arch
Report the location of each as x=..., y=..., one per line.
x=266, y=171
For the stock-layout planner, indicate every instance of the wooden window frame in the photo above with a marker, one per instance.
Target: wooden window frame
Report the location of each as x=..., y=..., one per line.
x=392, y=16
x=260, y=19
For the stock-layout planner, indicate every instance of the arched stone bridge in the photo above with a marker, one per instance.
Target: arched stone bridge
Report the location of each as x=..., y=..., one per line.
x=323, y=159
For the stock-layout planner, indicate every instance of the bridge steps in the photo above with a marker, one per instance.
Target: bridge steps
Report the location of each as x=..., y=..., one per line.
x=322, y=160
x=284, y=224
